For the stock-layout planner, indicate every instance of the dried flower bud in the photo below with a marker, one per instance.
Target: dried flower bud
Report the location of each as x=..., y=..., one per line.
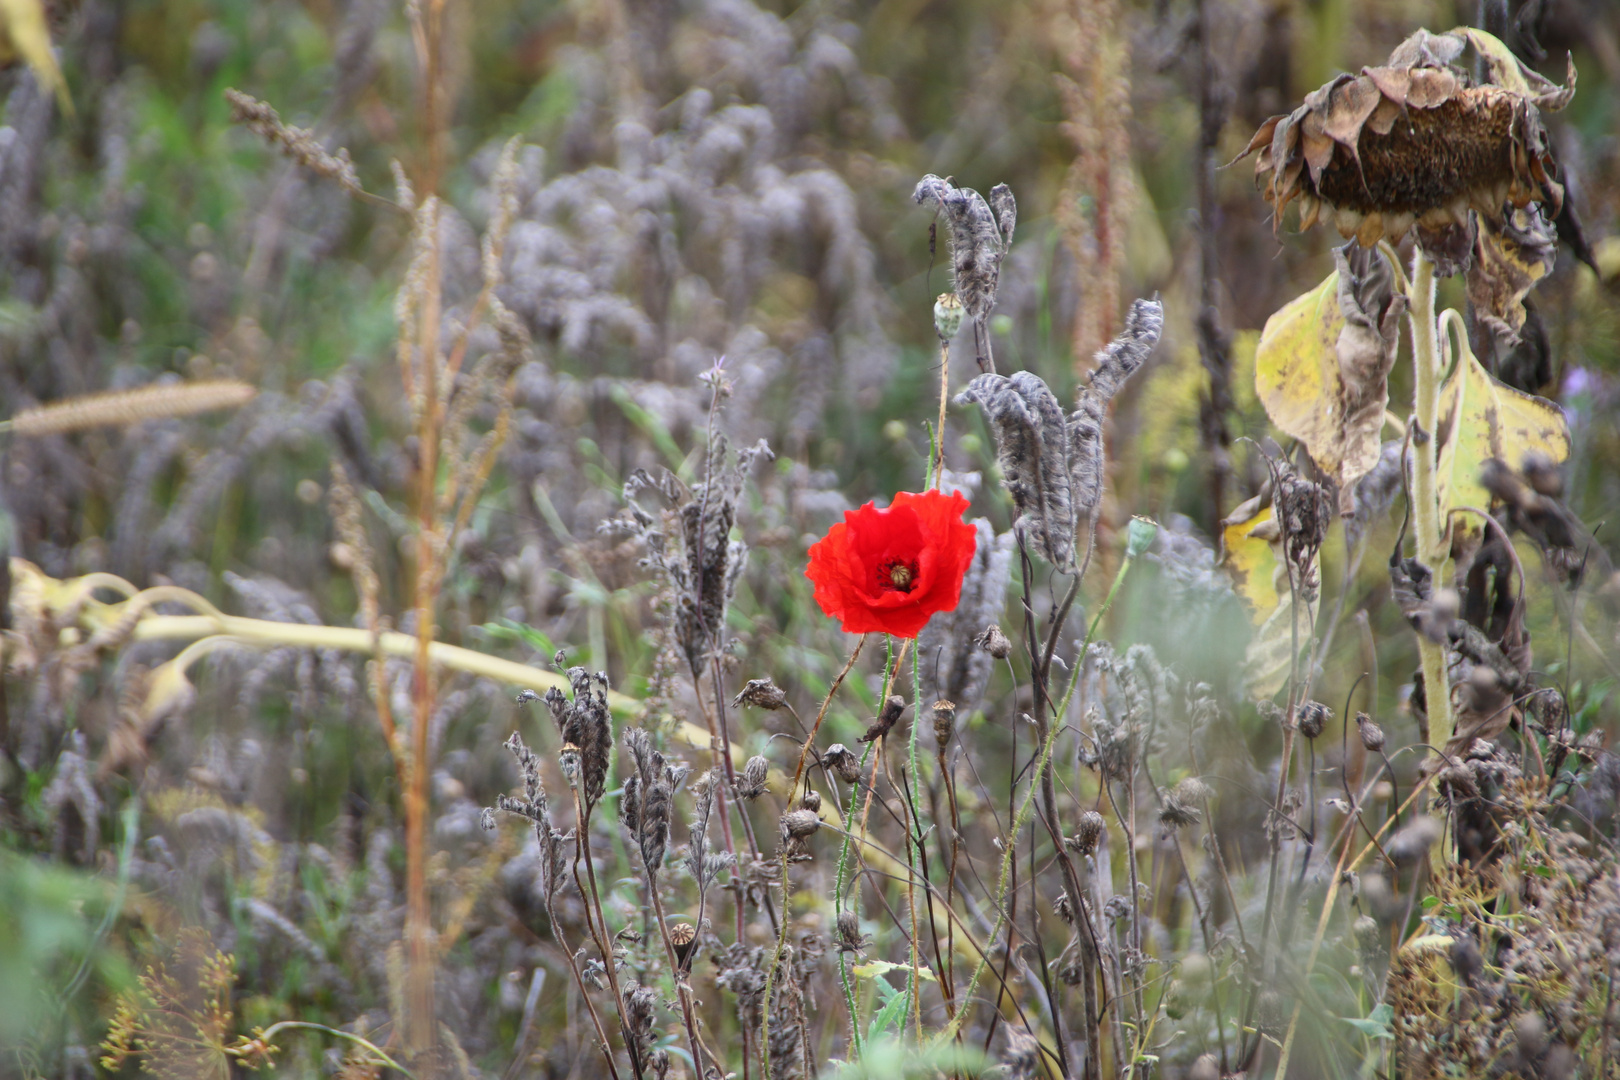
x=886, y=719
x=1178, y=810
x=1311, y=717
x=944, y=722
x=761, y=694
x=568, y=760
x=798, y=824
x=947, y=315
x=842, y=762
x=1092, y=828
x=1063, y=907
x=751, y=785
x=849, y=932
x=811, y=801
x=994, y=642
x=1372, y=736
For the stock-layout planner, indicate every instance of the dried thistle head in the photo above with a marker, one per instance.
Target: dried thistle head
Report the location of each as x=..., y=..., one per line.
x=810, y=800
x=1415, y=141
x=1311, y=717
x=761, y=694
x=586, y=728
x=1090, y=833
x=994, y=642
x=849, y=933
x=843, y=762
x=1372, y=736
x=751, y=785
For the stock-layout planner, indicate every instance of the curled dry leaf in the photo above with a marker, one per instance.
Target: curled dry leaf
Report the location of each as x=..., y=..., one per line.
x=1052, y=464
x=1032, y=448
x=980, y=233
x=1510, y=256
x=1414, y=141
x=1323, y=362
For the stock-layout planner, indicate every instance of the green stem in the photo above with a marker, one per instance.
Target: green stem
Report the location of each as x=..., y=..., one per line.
x=1431, y=544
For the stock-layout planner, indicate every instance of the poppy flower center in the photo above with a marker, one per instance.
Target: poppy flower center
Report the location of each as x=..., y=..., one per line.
x=896, y=576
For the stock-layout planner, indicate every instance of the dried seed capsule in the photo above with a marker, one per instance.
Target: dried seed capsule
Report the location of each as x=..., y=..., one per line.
x=849, y=932
x=751, y=785
x=994, y=642
x=1372, y=736
x=842, y=762
x=811, y=801
x=761, y=694
x=683, y=936
x=944, y=722
x=798, y=824
x=1091, y=831
x=1311, y=717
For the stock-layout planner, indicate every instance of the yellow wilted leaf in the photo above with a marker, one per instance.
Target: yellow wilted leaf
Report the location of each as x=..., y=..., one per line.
x=1251, y=552
x=24, y=35
x=1323, y=362
x=1249, y=542
x=1481, y=419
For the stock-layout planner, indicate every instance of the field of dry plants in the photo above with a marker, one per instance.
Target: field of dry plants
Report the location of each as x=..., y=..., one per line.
x=650, y=539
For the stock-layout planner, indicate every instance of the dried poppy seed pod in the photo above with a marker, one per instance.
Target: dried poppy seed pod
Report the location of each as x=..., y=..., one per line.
x=994, y=642
x=751, y=785
x=798, y=824
x=683, y=936
x=761, y=694
x=842, y=762
x=1372, y=736
x=944, y=722
x=1311, y=717
x=947, y=315
x=1092, y=828
x=811, y=801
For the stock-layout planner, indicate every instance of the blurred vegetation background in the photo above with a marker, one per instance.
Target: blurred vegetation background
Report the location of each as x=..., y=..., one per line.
x=698, y=179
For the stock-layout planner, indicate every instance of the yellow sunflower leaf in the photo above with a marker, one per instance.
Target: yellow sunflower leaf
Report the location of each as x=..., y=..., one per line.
x=1323, y=362
x=1480, y=419
x=1249, y=554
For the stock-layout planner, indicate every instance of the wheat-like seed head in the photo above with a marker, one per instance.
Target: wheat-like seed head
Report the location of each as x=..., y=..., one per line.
x=122, y=408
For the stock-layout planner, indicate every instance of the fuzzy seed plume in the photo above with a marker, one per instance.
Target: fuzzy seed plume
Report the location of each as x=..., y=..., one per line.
x=124, y=408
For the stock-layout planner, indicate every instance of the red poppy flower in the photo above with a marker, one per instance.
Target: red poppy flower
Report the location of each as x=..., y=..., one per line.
x=891, y=569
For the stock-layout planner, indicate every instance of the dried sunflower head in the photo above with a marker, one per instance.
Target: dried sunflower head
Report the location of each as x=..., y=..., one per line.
x=1416, y=141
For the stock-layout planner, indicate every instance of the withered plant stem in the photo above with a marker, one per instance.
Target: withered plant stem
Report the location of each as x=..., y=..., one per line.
x=579, y=981
x=683, y=992
x=593, y=906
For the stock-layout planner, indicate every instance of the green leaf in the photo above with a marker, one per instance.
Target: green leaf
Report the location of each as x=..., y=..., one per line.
x=1376, y=1024
x=892, y=1013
